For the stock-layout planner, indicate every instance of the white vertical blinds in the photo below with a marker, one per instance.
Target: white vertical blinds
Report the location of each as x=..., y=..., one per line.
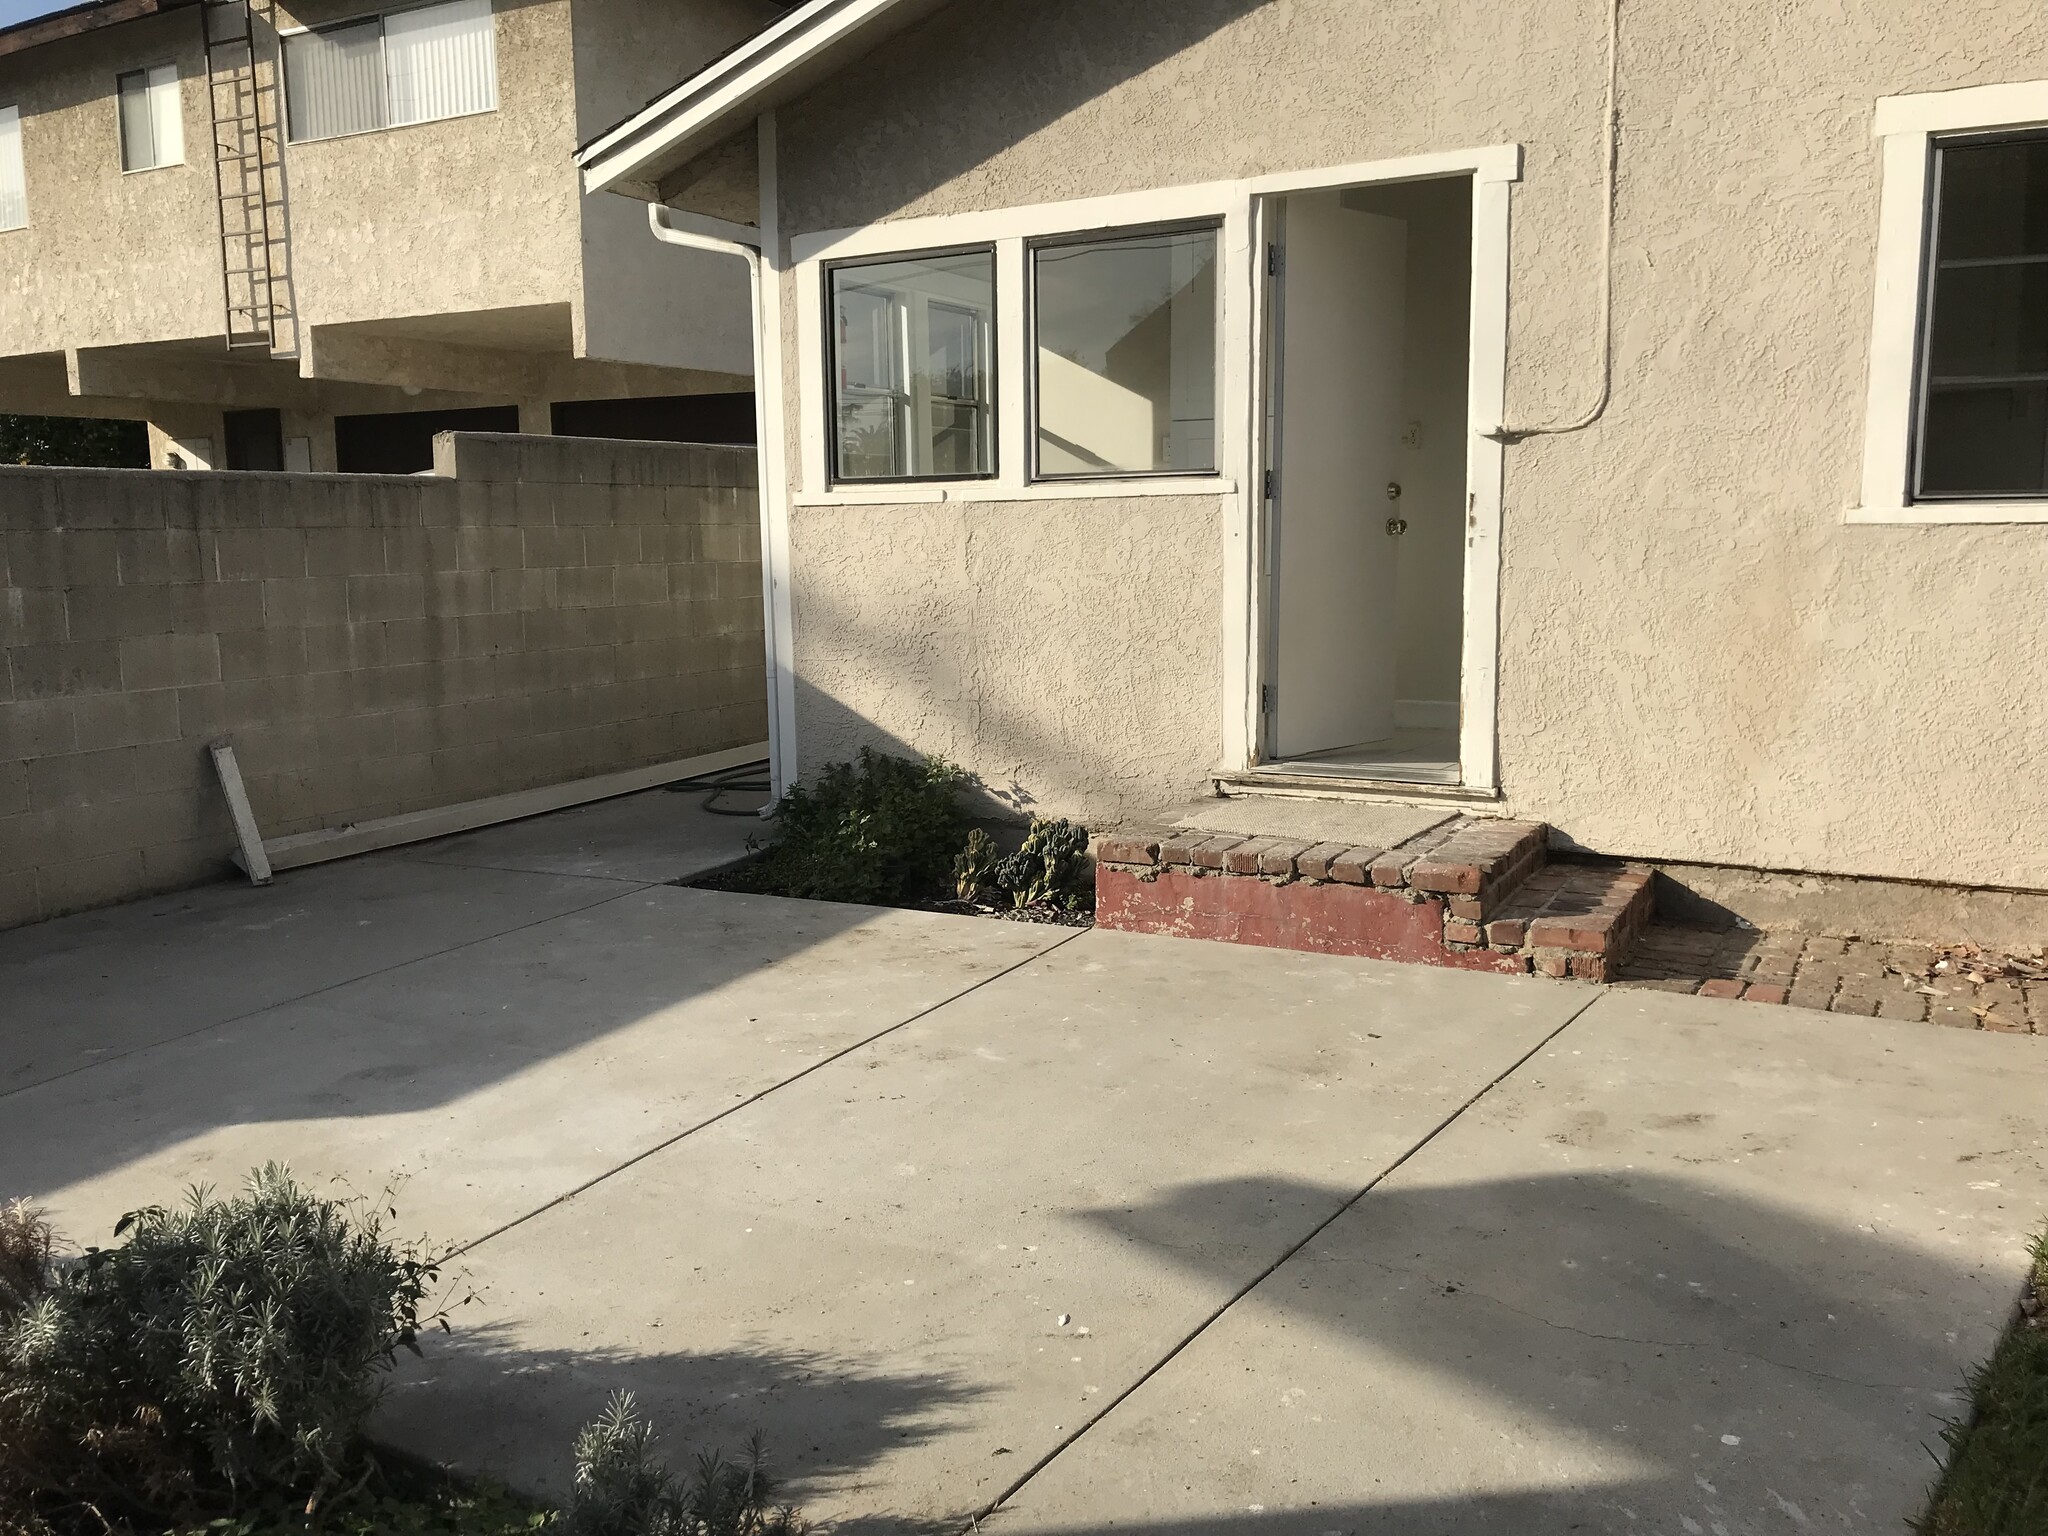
x=13, y=186
x=152, y=124
x=334, y=80
x=440, y=62
x=407, y=67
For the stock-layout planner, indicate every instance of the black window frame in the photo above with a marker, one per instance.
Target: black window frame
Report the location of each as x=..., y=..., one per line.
x=1923, y=339
x=835, y=479
x=1211, y=225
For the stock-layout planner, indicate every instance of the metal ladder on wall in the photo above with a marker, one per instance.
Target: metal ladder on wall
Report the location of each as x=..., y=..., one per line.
x=243, y=66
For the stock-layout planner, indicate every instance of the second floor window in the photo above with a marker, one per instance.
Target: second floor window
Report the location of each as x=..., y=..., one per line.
x=13, y=191
x=152, y=121
x=389, y=71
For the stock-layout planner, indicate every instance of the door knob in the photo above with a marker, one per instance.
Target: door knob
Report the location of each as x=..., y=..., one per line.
x=1396, y=526
x=1393, y=490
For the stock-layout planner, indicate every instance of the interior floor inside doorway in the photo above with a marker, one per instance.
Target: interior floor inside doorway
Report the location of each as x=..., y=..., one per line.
x=1412, y=755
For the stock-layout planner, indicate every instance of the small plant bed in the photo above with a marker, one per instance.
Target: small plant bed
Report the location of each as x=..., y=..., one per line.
x=213, y=1374
x=891, y=832
x=1996, y=1481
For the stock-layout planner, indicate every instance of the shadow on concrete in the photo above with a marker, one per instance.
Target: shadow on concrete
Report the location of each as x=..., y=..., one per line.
x=821, y=1416
x=1616, y=1320
x=738, y=996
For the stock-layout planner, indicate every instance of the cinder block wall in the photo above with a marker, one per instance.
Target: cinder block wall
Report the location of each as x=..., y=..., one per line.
x=539, y=610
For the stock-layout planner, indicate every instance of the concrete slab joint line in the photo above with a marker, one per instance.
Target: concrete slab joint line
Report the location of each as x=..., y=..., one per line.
x=995, y=1505
x=754, y=1098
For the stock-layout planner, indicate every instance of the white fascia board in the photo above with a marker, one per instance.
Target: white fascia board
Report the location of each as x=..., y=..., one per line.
x=732, y=91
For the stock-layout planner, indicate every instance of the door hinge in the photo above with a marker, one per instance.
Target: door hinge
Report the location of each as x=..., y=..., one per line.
x=1269, y=485
x=1272, y=260
x=1266, y=698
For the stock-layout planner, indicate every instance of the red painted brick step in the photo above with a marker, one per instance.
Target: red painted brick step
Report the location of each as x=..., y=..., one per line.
x=1474, y=893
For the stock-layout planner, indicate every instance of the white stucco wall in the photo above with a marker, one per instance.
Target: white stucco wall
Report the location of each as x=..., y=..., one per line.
x=1698, y=659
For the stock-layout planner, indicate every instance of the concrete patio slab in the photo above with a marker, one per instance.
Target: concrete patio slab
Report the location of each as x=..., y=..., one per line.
x=653, y=838
x=1697, y=1267
x=85, y=989
x=502, y=1075
x=911, y=1269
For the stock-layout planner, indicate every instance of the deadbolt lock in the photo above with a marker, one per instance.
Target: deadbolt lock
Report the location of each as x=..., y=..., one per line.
x=1396, y=526
x=1393, y=490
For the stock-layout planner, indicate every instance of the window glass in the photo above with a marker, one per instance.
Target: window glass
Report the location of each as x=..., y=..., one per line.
x=414, y=66
x=334, y=80
x=1126, y=355
x=1984, y=365
x=13, y=191
x=440, y=62
x=911, y=368
x=152, y=122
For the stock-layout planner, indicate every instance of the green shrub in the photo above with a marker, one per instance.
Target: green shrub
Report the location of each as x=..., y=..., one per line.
x=974, y=870
x=1051, y=869
x=227, y=1353
x=881, y=831
x=622, y=1488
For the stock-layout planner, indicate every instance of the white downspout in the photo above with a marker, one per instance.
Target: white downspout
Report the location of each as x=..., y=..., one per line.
x=660, y=221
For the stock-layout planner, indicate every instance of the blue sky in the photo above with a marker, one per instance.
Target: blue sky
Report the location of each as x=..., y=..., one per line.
x=12, y=11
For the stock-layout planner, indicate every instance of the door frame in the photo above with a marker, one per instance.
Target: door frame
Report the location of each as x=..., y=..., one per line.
x=1248, y=620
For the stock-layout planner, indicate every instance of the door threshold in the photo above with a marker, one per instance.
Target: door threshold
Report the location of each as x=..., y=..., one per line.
x=1286, y=781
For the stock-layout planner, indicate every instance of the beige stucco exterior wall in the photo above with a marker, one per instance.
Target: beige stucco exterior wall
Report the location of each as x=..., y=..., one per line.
x=469, y=213
x=107, y=256
x=467, y=233
x=1698, y=660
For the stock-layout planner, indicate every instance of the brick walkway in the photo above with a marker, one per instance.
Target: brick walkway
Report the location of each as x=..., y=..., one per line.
x=1957, y=987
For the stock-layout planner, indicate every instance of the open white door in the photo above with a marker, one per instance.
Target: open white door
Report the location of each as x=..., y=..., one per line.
x=1341, y=315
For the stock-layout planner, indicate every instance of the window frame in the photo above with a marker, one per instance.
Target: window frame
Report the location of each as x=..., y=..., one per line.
x=20, y=137
x=1930, y=272
x=829, y=357
x=286, y=34
x=1033, y=475
x=1910, y=131
x=121, y=121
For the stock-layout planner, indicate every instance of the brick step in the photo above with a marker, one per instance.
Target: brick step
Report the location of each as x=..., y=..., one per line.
x=1474, y=893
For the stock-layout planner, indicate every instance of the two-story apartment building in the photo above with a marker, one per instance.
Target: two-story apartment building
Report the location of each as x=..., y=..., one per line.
x=307, y=235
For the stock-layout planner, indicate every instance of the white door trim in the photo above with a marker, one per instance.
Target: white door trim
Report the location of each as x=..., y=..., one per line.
x=1493, y=172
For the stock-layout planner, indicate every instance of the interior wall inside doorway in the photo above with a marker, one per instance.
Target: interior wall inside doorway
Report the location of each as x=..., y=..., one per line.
x=1430, y=557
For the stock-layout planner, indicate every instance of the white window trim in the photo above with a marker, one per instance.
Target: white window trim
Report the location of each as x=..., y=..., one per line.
x=178, y=99
x=1905, y=127
x=1238, y=446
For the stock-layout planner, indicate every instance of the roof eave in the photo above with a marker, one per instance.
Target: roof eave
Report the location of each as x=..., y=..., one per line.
x=40, y=30
x=782, y=61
